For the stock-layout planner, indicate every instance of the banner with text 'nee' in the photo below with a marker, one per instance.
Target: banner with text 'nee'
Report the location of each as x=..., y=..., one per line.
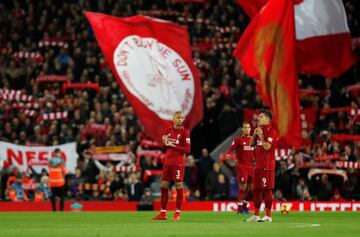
x=36, y=157
x=151, y=60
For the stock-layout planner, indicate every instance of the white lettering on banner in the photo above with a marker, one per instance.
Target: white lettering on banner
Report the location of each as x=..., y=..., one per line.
x=295, y=206
x=356, y=206
x=334, y=206
x=164, y=83
x=301, y=207
x=37, y=156
x=344, y=206
x=312, y=208
x=321, y=206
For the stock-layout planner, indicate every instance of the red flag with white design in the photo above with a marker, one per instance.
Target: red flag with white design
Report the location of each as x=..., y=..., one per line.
x=266, y=52
x=151, y=60
x=323, y=40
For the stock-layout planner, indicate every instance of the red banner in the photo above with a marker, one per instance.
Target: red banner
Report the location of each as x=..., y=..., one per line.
x=266, y=52
x=151, y=60
x=187, y=206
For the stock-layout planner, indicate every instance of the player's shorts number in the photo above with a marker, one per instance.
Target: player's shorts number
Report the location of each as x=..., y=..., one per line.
x=264, y=181
x=177, y=174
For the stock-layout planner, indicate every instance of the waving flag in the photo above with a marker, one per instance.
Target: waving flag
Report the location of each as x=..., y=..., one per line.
x=151, y=60
x=323, y=40
x=266, y=52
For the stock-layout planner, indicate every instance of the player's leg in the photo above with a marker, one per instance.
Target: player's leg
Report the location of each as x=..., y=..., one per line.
x=241, y=197
x=248, y=196
x=179, y=185
x=267, y=191
x=249, y=191
x=242, y=175
x=164, y=187
x=179, y=198
x=257, y=193
x=268, y=202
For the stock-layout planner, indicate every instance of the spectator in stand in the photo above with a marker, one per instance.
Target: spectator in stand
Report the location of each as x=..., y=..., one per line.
x=134, y=188
x=205, y=165
x=16, y=192
x=89, y=170
x=349, y=154
x=301, y=189
x=75, y=185
x=43, y=192
x=212, y=180
x=191, y=173
x=146, y=201
x=283, y=179
x=324, y=188
x=279, y=195
x=221, y=190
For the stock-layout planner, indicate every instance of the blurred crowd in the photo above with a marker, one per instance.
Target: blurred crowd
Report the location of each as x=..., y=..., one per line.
x=63, y=44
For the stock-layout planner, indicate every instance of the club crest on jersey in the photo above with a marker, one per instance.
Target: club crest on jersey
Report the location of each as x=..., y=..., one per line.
x=164, y=83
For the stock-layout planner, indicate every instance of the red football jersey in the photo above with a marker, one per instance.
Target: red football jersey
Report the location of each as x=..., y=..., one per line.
x=265, y=159
x=181, y=139
x=244, y=151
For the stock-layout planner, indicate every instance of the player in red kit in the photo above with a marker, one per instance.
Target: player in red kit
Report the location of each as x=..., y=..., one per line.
x=245, y=169
x=177, y=142
x=264, y=141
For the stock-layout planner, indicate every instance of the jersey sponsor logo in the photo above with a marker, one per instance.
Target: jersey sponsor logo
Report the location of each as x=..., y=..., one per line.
x=168, y=84
x=248, y=148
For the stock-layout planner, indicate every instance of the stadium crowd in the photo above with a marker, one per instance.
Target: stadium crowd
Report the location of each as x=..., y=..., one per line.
x=46, y=46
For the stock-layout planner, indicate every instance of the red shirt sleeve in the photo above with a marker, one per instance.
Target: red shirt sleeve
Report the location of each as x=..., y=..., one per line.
x=234, y=144
x=186, y=142
x=271, y=137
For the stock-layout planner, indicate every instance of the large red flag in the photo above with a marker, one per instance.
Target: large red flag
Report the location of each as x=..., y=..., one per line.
x=151, y=60
x=266, y=53
x=323, y=40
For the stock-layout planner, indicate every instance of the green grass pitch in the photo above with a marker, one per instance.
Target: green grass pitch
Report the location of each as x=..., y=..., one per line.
x=101, y=224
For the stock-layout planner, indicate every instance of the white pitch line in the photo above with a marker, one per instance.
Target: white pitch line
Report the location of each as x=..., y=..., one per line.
x=304, y=225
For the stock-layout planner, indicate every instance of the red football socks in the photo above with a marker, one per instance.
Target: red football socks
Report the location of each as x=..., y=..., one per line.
x=241, y=196
x=164, y=198
x=179, y=198
x=257, y=202
x=268, y=202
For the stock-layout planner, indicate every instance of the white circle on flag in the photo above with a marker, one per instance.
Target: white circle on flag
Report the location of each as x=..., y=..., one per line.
x=156, y=74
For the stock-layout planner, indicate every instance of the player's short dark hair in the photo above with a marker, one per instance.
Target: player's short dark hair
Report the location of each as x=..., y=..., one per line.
x=246, y=122
x=57, y=150
x=267, y=113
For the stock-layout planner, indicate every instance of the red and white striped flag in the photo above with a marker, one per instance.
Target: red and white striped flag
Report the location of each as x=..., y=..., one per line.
x=54, y=116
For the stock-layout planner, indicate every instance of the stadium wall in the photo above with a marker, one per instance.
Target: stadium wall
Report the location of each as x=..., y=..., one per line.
x=187, y=206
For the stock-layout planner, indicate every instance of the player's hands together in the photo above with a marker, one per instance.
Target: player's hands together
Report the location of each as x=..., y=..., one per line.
x=165, y=139
x=168, y=143
x=258, y=131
